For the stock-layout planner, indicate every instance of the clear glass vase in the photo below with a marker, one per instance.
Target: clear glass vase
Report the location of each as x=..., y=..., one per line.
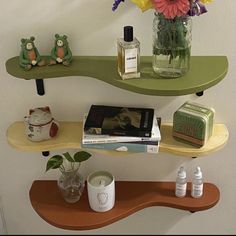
x=71, y=184
x=171, y=45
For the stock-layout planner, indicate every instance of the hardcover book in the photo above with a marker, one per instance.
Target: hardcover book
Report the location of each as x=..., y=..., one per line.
x=119, y=121
x=103, y=138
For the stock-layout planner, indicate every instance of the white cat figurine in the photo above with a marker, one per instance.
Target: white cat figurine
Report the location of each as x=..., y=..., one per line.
x=40, y=125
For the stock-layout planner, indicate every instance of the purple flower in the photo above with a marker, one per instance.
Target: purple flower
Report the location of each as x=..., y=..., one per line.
x=196, y=8
x=116, y=4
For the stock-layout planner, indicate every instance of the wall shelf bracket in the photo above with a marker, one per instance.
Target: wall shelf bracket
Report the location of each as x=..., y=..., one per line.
x=199, y=94
x=45, y=153
x=40, y=87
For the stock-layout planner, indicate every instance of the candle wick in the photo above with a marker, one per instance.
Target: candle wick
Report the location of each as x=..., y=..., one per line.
x=102, y=182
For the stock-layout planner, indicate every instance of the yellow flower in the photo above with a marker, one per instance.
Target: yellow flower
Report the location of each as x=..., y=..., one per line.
x=206, y=1
x=144, y=4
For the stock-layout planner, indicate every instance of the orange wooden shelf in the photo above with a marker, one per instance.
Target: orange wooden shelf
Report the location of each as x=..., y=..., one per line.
x=131, y=196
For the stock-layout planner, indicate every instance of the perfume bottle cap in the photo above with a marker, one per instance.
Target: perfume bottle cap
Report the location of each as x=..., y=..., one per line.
x=128, y=33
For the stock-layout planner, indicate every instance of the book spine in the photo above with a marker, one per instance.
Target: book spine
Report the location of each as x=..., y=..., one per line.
x=127, y=147
x=131, y=133
x=116, y=139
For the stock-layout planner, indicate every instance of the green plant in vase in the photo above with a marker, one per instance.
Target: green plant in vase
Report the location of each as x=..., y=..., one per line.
x=71, y=182
x=171, y=45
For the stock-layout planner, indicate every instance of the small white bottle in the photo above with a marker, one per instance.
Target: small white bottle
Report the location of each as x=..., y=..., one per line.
x=197, y=183
x=181, y=183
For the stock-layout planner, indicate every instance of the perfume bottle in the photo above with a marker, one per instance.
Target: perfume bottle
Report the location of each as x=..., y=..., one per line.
x=128, y=55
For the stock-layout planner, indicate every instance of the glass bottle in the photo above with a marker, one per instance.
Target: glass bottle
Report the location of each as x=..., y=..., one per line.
x=197, y=183
x=71, y=183
x=128, y=55
x=181, y=183
x=171, y=45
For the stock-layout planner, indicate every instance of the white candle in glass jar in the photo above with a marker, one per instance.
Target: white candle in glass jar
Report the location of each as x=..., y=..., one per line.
x=101, y=191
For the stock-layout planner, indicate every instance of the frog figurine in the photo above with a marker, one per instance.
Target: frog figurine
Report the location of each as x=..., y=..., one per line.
x=29, y=55
x=61, y=52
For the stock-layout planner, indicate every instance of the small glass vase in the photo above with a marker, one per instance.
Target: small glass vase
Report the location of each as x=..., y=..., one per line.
x=71, y=184
x=171, y=45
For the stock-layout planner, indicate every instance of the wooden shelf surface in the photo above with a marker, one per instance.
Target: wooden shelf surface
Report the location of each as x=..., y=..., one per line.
x=69, y=136
x=205, y=72
x=130, y=196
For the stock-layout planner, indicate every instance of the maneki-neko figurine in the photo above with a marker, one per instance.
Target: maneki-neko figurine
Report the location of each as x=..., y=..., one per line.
x=40, y=125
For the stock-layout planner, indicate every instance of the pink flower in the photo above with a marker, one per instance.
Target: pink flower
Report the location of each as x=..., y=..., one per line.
x=172, y=8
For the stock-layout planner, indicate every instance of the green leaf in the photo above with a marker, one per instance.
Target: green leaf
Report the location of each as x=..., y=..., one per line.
x=81, y=156
x=68, y=157
x=54, y=162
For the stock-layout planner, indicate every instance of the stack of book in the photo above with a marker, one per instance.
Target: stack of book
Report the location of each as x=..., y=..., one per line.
x=121, y=129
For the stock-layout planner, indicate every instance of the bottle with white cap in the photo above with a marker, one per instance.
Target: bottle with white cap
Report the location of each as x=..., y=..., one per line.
x=197, y=183
x=181, y=183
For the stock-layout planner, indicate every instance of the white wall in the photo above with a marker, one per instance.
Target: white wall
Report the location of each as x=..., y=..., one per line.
x=92, y=29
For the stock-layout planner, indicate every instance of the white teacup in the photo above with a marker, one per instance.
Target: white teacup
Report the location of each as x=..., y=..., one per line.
x=101, y=191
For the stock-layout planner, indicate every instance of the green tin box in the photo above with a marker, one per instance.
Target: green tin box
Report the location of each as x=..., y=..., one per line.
x=193, y=123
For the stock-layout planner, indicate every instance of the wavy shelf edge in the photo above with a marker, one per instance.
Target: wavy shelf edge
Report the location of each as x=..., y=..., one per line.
x=49, y=204
x=217, y=141
x=69, y=136
x=205, y=72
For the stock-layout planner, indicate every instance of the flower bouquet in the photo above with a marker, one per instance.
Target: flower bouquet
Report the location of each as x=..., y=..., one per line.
x=172, y=28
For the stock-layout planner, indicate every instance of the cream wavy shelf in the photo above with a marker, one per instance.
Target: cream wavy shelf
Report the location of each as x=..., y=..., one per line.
x=69, y=136
x=50, y=206
x=205, y=72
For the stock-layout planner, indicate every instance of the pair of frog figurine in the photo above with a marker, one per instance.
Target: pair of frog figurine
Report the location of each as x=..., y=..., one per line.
x=60, y=53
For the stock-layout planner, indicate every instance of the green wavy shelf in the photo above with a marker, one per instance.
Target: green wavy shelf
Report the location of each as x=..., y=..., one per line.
x=205, y=72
